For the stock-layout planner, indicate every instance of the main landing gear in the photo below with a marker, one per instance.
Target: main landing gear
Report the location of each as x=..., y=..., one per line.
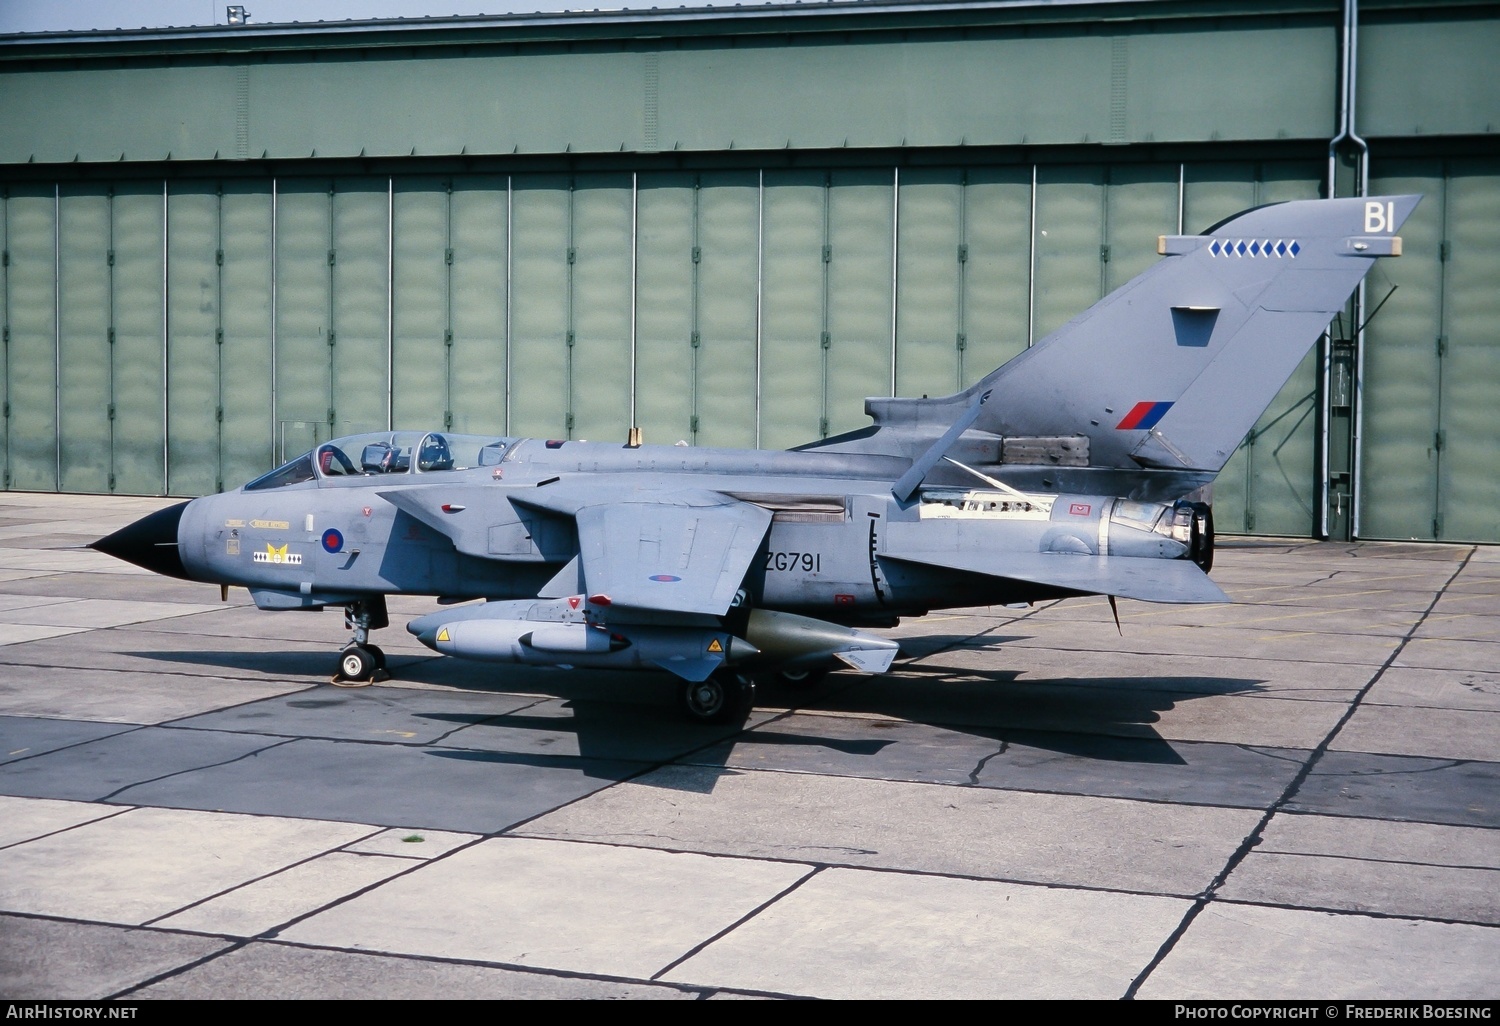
x=361, y=663
x=725, y=697
x=802, y=678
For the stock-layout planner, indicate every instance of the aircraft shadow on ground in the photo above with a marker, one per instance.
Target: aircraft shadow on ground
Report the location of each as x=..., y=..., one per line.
x=920, y=646
x=1100, y=719
x=621, y=719
x=315, y=667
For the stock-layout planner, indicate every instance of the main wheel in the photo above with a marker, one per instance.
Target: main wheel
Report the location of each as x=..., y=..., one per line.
x=356, y=665
x=801, y=678
x=722, y=698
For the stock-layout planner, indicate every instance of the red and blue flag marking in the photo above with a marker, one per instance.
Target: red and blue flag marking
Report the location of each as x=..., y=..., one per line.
x=1143, y=416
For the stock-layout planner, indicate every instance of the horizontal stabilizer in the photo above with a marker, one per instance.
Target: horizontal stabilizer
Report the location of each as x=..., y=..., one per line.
x=1150, y=580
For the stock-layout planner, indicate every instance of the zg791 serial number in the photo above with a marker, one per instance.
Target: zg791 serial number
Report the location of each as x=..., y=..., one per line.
x=809, y=562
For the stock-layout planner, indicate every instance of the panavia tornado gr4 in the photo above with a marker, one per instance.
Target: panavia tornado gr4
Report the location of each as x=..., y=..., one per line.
x=1062, y=473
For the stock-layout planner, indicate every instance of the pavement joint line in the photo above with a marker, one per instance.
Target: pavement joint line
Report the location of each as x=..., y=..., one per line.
x=520, y=967
x=1195, y=655
x=1303, y=613
x=192, y=769
x=119, y=810
x=1263, y=632
x=1478, y=641
x=375, y=831
x=647, y=767
x=1366, y=913
x=1248, y=589
x=1441, y=764
x=437, y=741
x=741, y=921
x=1145, y=683
x=302, y=684
x=179, y=722
x=858, y=867
x=1146, y=614
x=1412, y=576
x=270, y=935
x=1145, y=687
x=979, y=767
x=969, y=785
x=1266, y=750
x=1257, y=833
x=777, y=860
x=233, y=946
x=1436, y=708
x=144, y=627
x=128, y=728
x=1387, y=862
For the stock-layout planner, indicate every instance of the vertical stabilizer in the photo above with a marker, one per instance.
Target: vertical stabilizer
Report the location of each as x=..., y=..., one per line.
x=1166, y=375
x=1171, y=370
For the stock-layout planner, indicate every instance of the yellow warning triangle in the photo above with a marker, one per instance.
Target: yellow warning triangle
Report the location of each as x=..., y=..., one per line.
x=443, y=635
x=714, y=646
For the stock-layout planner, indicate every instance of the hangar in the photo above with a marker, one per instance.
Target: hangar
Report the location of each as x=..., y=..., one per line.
x=728, y=226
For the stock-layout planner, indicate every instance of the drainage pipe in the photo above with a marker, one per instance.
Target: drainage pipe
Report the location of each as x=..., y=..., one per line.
x=1349, y=45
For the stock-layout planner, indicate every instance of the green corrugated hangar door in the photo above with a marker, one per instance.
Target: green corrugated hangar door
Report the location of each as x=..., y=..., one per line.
x=1430, y=466
x=185, y=337
x=31, y=338
x=218, y=307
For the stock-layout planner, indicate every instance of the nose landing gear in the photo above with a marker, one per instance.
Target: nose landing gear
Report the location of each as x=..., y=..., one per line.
x=361, y=663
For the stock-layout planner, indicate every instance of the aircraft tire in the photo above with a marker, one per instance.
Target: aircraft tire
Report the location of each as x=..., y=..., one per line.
x=801, y=678
x=722, y=698
x=357, y=664
x=379, y=654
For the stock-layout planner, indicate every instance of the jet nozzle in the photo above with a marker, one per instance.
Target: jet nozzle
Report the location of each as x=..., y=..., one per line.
x=150, y=542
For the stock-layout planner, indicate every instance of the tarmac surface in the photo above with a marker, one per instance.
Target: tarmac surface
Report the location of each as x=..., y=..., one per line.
x=1295, y=796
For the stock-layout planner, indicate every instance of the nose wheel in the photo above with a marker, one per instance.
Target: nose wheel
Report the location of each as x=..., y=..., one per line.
x=724, y=697
x=361, y=663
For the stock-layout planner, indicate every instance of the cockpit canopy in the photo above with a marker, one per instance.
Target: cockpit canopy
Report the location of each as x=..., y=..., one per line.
x=387, y=452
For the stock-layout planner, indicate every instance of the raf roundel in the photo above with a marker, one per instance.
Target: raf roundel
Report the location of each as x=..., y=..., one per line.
x=333, y=541
x=665, y=579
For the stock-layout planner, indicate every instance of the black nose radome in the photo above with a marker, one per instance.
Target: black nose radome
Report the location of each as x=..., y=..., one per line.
x=150, y=542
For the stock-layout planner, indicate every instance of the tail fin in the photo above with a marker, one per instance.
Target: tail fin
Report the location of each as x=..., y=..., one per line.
x=1170, y=371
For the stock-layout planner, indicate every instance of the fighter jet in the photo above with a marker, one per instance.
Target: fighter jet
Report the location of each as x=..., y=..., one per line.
x=1064, y=472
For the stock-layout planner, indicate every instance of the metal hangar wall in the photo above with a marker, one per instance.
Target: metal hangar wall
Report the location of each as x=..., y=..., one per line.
x=727, y=226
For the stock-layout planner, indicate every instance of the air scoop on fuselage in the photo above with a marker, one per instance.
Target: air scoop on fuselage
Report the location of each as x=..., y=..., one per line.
x=150, y=542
